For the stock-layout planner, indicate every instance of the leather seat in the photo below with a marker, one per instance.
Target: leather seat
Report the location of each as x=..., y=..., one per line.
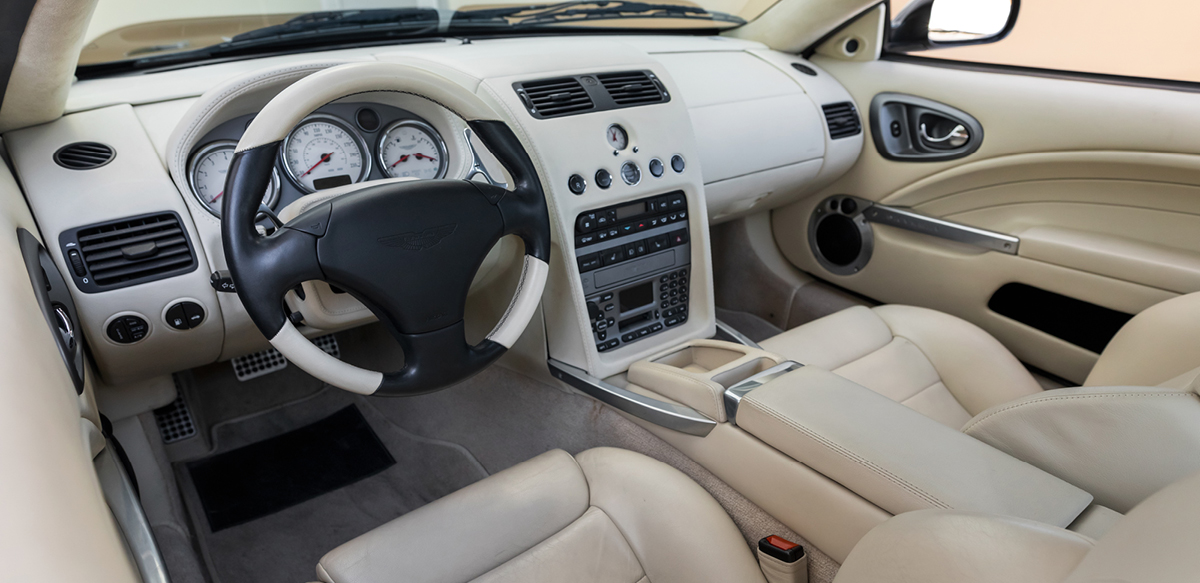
x=1118, y=442
x=606, y=515
x=937, y=364
x=1153, y=543
x=952, y=370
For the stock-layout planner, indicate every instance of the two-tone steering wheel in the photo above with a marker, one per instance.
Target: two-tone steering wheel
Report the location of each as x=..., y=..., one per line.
x=407, y=250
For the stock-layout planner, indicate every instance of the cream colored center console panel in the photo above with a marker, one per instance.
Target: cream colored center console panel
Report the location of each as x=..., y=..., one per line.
x=826, y=456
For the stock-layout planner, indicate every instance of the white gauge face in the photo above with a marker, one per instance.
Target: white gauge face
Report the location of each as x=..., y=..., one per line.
x=207, y=174
x=617, y=138
x=323, y=153
x=411, y=149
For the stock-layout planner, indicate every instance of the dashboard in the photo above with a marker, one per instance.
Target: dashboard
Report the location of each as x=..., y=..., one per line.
x=709, y=128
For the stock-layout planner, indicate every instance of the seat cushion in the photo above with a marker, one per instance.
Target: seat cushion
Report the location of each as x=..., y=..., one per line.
x=606, y=516
x=935, y=363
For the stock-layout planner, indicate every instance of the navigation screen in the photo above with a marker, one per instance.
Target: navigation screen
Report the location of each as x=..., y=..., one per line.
x=636, y=297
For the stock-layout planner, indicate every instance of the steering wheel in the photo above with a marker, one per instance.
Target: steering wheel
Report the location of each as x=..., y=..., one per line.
x=406, y=250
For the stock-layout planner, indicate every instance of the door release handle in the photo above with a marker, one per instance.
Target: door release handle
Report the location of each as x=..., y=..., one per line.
x=955, y=138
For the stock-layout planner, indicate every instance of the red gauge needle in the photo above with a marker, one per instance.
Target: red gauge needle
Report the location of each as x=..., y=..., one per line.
x=324, y=158
x=417, y=156
x=217, y=196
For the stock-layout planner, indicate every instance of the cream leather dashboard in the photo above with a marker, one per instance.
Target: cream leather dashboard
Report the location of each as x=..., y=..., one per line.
x=749, y=125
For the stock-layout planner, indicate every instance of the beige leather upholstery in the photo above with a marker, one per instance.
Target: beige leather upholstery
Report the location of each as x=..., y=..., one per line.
x=897, y=458
x=1122, y=444
x=1158, y=344
x=608, y=515
x=1154, y=543
x=937, y=364
x=942, y=546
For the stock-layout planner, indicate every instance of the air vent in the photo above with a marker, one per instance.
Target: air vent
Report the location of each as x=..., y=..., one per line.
x=842, y=119
x=561, y=96
x=128, y=252
x=555, y=97
x=83, y=155
x=632, y=88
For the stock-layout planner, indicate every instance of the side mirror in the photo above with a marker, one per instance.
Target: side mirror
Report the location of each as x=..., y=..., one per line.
x=935, y=24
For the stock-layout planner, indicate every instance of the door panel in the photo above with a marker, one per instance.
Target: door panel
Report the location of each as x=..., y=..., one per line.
x=1101, y=183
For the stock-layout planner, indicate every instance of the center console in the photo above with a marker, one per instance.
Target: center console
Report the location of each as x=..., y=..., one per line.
x=634, y=261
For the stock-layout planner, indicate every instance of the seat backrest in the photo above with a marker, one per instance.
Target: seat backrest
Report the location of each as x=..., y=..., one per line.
x=1155, y=542
x=1157, y=345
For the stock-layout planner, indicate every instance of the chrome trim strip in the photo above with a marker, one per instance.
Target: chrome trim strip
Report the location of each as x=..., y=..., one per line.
x=738, y=336
x=127, y=510
x=669, y=415
x=913, y=221
x=477, y=166
x=735, y=394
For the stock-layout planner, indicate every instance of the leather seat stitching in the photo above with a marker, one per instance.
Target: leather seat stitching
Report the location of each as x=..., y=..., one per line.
x=1040, y=400
x=849, y=455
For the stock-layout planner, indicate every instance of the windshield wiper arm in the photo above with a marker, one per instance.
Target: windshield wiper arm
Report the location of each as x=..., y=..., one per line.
x=583, y=10
x=360, y=25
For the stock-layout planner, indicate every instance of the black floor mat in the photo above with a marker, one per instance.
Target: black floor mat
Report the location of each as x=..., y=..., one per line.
x=274, y=474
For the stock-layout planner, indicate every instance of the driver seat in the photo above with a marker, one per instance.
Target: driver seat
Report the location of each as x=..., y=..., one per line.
x=605, y=516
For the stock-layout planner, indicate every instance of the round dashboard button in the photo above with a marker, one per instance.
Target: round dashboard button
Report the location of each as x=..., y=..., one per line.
x=631, y=174
x=603, y=178
x=577, y=184
x=677, y=163
x=656, y=167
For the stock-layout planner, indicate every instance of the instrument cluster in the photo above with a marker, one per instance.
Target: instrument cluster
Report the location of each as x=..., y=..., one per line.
x=339, y=144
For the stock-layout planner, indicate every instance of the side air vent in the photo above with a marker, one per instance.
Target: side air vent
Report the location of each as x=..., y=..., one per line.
x=842, y=119
x=562, y=96
x=555, y=97
x=128, y=252
x=84, y=155
x=632, y=88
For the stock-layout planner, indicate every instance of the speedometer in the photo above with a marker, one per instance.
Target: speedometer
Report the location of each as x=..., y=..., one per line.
x=207, y=172
x=410, y=148
x=323, y=152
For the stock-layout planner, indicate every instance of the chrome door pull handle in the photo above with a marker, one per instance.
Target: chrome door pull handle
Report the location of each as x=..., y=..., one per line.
x=956, y=138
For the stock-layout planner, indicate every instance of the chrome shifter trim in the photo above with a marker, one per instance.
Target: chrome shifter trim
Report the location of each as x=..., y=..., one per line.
x=735, y=394
x=669, y=415
x=738, y=336
x=477, y=166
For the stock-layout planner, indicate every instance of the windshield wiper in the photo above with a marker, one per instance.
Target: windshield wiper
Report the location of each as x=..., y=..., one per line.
x=307, y=30
x=583, y=10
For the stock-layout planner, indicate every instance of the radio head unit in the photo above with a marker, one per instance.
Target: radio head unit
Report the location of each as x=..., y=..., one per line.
x=634, y=261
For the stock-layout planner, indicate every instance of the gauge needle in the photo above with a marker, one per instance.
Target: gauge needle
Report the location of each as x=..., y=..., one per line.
x=324, y=158
x=217, y=196
x=402, y=158
x=430, y=158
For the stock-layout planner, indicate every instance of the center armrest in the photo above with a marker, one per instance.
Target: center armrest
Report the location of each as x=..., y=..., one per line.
x=895, y=457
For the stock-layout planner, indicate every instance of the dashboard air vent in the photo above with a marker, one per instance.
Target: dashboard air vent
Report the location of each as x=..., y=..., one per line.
x=84, y=155
x=632, y=88
x=842, y=119
x=128, y=252
x=555, y=97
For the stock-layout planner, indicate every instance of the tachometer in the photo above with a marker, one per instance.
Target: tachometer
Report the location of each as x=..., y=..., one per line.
x=207, y=171
x=323, y=152
x=410, y=148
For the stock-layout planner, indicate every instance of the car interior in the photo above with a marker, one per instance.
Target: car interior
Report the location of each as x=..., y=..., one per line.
x=609, y=291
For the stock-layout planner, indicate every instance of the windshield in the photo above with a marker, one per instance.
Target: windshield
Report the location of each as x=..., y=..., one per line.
x=150, y=31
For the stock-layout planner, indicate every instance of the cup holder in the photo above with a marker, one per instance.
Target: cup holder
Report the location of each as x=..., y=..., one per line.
x=840, y=236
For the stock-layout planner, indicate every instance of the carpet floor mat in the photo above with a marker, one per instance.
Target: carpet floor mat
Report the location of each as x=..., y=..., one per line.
x=286, y=486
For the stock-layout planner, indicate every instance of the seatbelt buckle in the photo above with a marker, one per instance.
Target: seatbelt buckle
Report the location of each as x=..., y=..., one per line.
x=782, y=561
